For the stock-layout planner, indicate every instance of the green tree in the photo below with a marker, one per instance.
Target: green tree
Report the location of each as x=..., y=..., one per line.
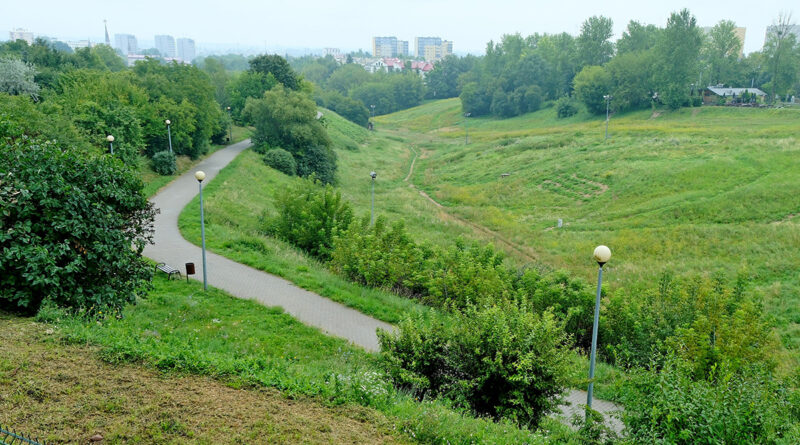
x=244, y=85
x=591, y=84
x=632, y=79
x=73, y=228
x=721, y=52
x=17, y=78
x=286, y=119
x=677, y=53
x=347, y=77
x=277, y=66
x=637, y=38
x=594, y=42
x=782, y=57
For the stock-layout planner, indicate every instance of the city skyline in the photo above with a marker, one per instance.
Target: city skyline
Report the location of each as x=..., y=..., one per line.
x=350, y=25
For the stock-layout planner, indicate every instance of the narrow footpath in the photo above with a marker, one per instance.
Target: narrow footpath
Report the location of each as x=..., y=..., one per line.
x=243, y=281
x=252, y=284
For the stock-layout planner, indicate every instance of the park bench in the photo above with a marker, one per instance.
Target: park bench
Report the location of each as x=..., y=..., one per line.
x=169, y=270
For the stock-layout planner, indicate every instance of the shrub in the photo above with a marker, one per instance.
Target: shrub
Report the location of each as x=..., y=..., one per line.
x=502, y=361
x=566, y=107
x=281, y=160
x=705, y=320
x=318, y=161
x=164, y=163
x=668, y=405
x=569, y=299
x=73, y=228
x=380, y=256
x=310, y=215
x=462, y=274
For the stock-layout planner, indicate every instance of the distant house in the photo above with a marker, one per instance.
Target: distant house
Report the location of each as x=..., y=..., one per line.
x=712, y=94
x=422, y=68
x=393, y=64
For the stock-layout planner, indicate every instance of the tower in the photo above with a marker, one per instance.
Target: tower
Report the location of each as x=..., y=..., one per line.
x=105, y=24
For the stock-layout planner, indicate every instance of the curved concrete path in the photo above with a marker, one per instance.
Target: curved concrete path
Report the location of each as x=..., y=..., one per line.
x=243, y=281
x=248, y=283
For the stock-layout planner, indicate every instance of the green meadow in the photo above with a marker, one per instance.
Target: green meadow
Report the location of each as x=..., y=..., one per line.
x=697, y=191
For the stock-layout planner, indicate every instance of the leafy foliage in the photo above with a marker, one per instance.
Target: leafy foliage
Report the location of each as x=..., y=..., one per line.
x=566, y=107
x=669, y=405
x=73, y=228
x=503, y=361
x=17, y=77
x=281, y=160
x=309, y=216
x=275, y=65
x=164, y=163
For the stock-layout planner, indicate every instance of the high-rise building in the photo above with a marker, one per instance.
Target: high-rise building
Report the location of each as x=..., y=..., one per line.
x=21, y=34
x=165, y=46
x=402, y=47
x=421, y=43
x=186, y=50
x=384, y=46
x=126, y=43
x=433, y=48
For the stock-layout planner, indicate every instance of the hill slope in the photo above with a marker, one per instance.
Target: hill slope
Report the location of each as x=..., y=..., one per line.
x=694, y=191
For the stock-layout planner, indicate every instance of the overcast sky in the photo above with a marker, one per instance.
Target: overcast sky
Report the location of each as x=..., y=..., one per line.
x=350, y=24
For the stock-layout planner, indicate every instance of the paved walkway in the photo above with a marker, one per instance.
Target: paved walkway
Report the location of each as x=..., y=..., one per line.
x=248, y=283
x=243, y=281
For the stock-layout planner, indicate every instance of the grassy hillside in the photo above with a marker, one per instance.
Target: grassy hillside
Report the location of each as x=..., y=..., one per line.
x=693, y=191
x=66, y=393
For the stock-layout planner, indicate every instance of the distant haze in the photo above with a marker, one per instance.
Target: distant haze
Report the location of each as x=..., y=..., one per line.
x=350, y=25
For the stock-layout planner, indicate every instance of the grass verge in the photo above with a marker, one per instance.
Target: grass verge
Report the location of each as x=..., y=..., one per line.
x=181, y=330
x=63, y=393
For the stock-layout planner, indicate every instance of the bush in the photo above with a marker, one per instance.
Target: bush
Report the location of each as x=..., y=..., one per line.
x=310, y=215
x=281, y=160
x=705, y=320
x=566, y=107
x=502, y=361
x=318, y=161
x=380, y=256
x=669, y=406
x=462, y=275
x=164, y=163
x=73, y=229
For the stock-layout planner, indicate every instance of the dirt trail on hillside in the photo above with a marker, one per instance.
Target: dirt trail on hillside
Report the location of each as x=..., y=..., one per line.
x=523, y=252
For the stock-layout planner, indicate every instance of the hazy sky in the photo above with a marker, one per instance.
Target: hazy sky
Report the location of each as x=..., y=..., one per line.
x=350, y=24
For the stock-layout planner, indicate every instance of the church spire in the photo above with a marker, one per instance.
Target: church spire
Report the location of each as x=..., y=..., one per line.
x=108, y=40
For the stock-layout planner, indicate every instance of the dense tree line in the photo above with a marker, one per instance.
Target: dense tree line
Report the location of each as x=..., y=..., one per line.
x=647, y=63
x=100, y=96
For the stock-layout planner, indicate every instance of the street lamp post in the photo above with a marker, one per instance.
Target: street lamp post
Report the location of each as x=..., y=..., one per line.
x=607, y=97
x=169, y=134
x=601, y=254
x=230, y=126
x=373, y=175
x=110, y=140
x=200, y=175
x=466, y=128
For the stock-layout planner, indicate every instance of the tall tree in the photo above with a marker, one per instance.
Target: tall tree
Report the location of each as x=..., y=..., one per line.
x=779, y=48
x=721, y=52
x=637, y=37
x=16, y=78
x=278, y=67
x=677, y=52
x=594, y=42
